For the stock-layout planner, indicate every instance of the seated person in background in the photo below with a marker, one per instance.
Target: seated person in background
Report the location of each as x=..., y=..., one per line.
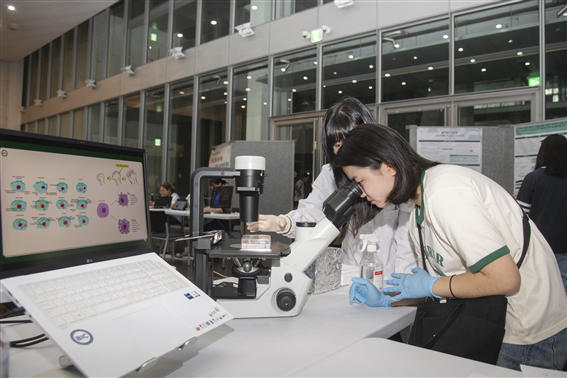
x=166, y=190
x=215, y=183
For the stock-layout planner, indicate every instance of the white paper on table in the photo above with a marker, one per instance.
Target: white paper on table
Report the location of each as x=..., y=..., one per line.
x=530, y=371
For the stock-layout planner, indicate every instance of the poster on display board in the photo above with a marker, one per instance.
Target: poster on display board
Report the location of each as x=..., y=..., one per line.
x=220, y=158
x=527, y=140
x=451, y=145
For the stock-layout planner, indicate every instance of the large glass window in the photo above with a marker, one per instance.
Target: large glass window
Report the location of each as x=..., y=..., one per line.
x=65, y=119
x=399, y=120
x=135, y=44
x=212, y=115
x=69, y=38
x=415, y=61
x=256, y=12
x=33, y=76
x=44, y=73
x=111, y=122
x=154, y=137
x=55, y=67
x=132, y=120
x=78, y=123
x=497, y=48
x=184, y=24
x=215, y=19
x=93, y=123
x=250, y=102
x=349, y=69
x=115, y=39
x=98, y=55
x=159, y=10
x=42, y=126
x=181, y=113
x=82, y=52
x=294, y=83
x=555, y=59
x=288, y=7
x=494, y=114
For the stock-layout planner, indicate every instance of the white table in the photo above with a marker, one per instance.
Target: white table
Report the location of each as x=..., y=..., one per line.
x=255, y=347
x=374, y=357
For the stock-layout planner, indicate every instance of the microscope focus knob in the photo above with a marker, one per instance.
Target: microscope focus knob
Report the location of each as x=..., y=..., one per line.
x=285, y=299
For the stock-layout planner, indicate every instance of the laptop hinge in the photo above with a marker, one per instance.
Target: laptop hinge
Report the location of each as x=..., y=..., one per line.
x=191, y=341
x=148, y=364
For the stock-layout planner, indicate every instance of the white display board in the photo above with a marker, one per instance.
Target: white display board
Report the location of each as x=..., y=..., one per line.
x=527, y=140
x=451, y=145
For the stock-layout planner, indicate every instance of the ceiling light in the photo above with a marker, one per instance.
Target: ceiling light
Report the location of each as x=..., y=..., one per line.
x=510, y=41
x=334, y=73
x=340, y=92
x=225, y=82
x=371, y=66
x=283, y=69
x=429, y=68
x=181, y=92
x=202, y=97
x=370, y=87
x=213, y=22
x=415, y=57
x=519, y=53
x=315, y=63
x=304, y=77
x=289, y=99
x=527, y=63
x=396, y=45
x=294, y=90
x=403, y=83
x=498, y=26
x=179, y=35
x=483, y=70
x=354, y=81
x=249, y=77
x=247, y=89
x=473, y=60
x=243, y=106
x=254, y=7
x=445, y=36
x=351, y=56
x=11, y=7
x=387, y=75
x=244, y=98
x=461, y=49
x=225, y=93
x=265, y=103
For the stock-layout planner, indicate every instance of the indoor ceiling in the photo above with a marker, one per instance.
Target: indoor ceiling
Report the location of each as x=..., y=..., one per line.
x=34, y=23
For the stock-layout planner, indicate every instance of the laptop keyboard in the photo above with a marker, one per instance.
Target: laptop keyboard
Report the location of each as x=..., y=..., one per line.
x=72, y=298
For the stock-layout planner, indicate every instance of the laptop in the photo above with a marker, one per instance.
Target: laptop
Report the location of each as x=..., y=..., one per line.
x=162, y=202
x=221, y=198
x=76, y=253
x=180, y=204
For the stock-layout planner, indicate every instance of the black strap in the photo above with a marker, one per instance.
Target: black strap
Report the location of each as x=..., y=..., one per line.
x=527, y=234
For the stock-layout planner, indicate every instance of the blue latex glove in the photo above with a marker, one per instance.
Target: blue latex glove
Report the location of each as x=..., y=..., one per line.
x=364, y=291
x=416, y=285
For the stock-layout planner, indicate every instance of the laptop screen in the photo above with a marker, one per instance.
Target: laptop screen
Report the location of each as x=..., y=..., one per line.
x=67, y=202
x=221, y=197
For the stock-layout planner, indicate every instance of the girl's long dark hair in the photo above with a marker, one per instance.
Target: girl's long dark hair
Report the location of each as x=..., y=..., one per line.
x=370, y=145
x=552, y=155
x=340, y=118
x=168, y=186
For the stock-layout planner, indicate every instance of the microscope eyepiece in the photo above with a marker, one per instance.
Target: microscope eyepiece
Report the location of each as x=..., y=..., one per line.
x=338, y=206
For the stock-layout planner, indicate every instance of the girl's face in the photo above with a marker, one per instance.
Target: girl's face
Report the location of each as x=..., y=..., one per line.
x=336, y=147
x=164, y=192
x=376, y=185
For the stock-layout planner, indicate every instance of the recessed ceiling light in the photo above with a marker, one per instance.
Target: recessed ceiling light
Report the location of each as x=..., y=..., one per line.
x=225, y=93
x=225, y=82
x=483, y=70
x=370, y=87
x=445, y=36
x=213, y=22
x=334, y=73
x=249, y=77
x=289, y=99
x=294, y=90
x=354, y=81
x=11, y=7
x=371, y=66
x=202, y=97
x=396, y=45
x=243, y=106
x=283, y=69
x=473, y=60
x=247, y=89
x=510, y=41
x=527, y=63
x=461, y=49
x=498, y=26
x=429, y=68
x=265, y=103
x=340, y=92
x=387, y=75
x=181, y=92
x=351, y=56
x=519, y=53
x=315, y=63
x=305, y=78
x=403, y=83
x=254, y=7
x=244, y=98
x=415, y=57
x=179, y=35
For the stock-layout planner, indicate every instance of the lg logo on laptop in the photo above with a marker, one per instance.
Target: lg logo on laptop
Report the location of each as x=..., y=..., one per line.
x=82, y=337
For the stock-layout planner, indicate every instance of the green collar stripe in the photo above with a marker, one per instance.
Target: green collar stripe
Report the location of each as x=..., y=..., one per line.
x=490, y=258
x=419, y=215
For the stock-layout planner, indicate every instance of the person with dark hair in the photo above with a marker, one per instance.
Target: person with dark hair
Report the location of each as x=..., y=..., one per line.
x=299, y=189
x=390, y=224
x=543, y=195
x=166, y=190
x=472, y=230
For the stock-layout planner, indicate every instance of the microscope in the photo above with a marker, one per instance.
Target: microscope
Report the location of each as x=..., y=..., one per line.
x=282, y=289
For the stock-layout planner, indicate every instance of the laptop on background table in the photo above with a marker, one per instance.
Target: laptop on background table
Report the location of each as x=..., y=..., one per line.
x=76, y=253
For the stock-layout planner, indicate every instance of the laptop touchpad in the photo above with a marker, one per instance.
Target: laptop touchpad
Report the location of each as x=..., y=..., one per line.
x=156, y=323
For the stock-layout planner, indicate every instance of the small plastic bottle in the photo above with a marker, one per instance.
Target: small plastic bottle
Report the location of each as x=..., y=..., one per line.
x=371, y=267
